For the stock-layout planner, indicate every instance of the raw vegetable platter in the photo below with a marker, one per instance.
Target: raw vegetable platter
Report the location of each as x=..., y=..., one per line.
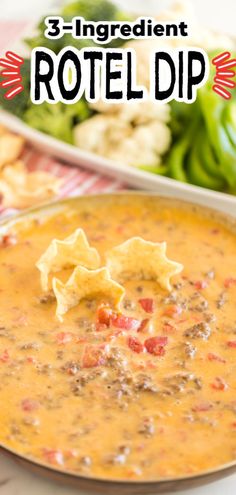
x=188, y=151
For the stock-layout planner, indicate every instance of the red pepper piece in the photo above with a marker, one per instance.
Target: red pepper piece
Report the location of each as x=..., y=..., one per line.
x=156, y=345
x=174, y=310
x=125, y=322
x=29, y=405
x=135, y=345
x=8, y=240
x=104, y=314
x=63, y=338
x=31, y=360
x=229, y=282
x=219, y=384
x=232, y=344
x=147, y=304
x=200, y=284
x=169, y=328
x=143, y=325
x=4, y=357
x=94, y=355
x=53, y=456
x=203, y=407
x=213, y=357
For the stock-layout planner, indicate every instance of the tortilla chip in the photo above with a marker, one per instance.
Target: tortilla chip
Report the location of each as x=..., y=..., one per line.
x=72, y=251
x=84, y=284
x=11, y=147
x=3, y=130
x=20, y=189
x=143, y=260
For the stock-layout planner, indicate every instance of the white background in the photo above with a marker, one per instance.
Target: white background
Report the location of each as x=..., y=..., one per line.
x=219, y=14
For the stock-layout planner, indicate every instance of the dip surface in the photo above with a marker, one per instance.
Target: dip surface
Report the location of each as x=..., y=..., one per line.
x=164, y=410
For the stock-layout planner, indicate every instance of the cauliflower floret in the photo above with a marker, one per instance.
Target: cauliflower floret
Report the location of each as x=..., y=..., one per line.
x=133, y=112
x=198, y=35
x=129, y=133
x=144, y=147
x=144, y=49
x=135, y=153
x=94, y=133
x=137, y=133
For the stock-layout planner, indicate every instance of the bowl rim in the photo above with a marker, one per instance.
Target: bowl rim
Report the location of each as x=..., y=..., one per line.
x=223, y=468
x=8, y=222
x=218, y=213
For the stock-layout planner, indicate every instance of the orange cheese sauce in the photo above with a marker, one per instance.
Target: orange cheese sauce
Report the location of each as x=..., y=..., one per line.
x=144, y=397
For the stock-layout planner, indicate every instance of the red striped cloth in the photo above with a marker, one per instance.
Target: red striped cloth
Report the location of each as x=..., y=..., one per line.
x=76, y=179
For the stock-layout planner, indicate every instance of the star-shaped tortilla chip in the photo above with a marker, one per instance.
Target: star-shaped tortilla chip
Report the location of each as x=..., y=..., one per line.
x=142, y=260
x=83, y=284
x=72, y=251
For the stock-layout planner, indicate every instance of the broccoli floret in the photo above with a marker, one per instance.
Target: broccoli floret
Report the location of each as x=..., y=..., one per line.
x=19, y=103
x=57, y=120
x=91, y=10
x=40, y=40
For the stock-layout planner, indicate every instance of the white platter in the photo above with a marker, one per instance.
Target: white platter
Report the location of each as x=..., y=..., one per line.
x=129, y=175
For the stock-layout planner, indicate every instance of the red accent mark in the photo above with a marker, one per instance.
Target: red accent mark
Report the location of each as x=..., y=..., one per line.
x=223, y=62
x=13, y=79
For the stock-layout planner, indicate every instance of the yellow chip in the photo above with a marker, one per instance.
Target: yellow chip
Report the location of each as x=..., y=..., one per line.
x=84, y=284
x=11, y=147
x=142, y=260
x=20, y=189
x=72, y=251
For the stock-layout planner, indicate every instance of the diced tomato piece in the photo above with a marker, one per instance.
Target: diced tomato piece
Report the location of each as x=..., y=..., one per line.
x=135, y=345
x=219, y=384
x=201, y=284
x=53, y=456
x=98, y=237
x=104, y=314
x=147, y=304
x=8, y=240
x=29, y=405
x=195, y=318
x=113, y=335
x=169, y=328
x=120, y=229
x=202, y=407
x=81, y=340
x=4, y=357
x=156, y=345
x=233, y=424
x=213, y=357
x=232, y=344
x=125, y=322
x=173, y=311
x=100, y=327
x=64, y=338
x=31, y=360
x=94, y=355
x=71, y=453
x=215, y=231
x=143, y=325
x=229, y=282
